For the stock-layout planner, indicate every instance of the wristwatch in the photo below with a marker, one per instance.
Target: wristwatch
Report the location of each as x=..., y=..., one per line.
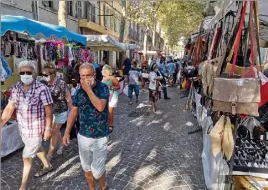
x=49, y=129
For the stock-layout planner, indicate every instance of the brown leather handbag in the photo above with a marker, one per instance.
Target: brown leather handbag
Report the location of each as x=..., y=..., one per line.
x=237, y=96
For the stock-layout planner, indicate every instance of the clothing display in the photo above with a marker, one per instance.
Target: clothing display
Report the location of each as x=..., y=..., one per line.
x=5, y=68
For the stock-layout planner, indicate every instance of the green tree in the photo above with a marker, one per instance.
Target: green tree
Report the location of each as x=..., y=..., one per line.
x=180, y=18
x=144, y=12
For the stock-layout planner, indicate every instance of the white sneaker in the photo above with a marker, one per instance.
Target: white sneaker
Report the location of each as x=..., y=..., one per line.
x=60, y=149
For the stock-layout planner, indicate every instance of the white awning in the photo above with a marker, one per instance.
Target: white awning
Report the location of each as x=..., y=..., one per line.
x=104, y=43
x=131, y=46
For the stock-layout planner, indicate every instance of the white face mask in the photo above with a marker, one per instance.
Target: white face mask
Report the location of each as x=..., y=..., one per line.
x=26, y=79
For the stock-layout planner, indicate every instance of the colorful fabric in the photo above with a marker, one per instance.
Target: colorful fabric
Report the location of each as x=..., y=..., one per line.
x=93, y=124
x=58, y=91
x=30, y=107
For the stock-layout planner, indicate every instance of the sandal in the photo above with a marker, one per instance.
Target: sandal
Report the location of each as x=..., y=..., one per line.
x=111, y=128
x=43, y=171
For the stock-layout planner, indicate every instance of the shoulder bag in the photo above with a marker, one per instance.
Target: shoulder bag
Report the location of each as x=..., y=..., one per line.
x=237, y=96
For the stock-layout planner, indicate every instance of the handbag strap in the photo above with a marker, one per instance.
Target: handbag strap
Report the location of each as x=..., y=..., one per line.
x=251, y=36
x=238, y=38
x=257, y=22
x=215, y=38
x=229, y=58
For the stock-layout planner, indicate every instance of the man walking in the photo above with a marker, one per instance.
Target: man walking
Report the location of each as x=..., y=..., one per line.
x=91, y=102
x=134, y=83
x=33, y=103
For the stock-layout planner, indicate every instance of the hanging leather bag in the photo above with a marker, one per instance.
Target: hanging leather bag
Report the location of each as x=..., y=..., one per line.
x=237, y=96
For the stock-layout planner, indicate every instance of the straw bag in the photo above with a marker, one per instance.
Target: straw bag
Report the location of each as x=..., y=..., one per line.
x=237, y=96
x=228, y=139
x=216, y=135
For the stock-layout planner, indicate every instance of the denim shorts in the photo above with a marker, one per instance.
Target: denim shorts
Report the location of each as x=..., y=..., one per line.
x=93, y=154
x=60, y=118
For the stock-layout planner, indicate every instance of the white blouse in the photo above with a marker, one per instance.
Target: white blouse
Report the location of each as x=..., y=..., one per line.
x=153, y=82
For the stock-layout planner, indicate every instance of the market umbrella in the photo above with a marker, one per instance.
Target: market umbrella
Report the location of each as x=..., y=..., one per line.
x=104, y=42
x=38, y=29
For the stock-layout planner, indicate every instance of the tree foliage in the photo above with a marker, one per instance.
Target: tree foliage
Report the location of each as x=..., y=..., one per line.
x=180, y=18
x=177, y=18
x=143, y=12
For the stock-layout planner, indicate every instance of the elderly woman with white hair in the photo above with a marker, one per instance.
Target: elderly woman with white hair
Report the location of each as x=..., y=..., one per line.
x=33, y=103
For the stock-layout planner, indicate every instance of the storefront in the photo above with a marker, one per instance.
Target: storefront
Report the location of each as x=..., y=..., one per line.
x=26, y=39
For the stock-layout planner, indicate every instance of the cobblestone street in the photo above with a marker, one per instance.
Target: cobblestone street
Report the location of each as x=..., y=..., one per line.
x=146, y=151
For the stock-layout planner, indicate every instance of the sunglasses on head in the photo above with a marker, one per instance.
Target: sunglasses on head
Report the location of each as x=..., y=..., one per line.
x=26, y=73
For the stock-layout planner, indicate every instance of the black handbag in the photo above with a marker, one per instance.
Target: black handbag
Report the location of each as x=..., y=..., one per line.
x=190, y=71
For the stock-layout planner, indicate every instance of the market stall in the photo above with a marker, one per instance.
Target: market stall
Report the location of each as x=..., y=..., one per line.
x=26, y=39
x=104, y=42
x=229, y=95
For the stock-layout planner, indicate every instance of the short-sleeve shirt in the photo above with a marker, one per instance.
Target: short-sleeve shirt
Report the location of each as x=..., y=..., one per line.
x=93, y=124
x=134, y=75
x=58, y=92
x=30, y=108
x=162, y=68
x=171, y=68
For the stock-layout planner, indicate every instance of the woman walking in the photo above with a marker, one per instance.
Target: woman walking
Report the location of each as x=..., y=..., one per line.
x=61, y=102
x=144, y=70
x=113, y=86
x=154, y=86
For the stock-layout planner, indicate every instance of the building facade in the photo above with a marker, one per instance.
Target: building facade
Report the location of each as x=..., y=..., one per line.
x=86, y=17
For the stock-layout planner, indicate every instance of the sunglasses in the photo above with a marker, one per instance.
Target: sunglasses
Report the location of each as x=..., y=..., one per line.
x=44, y=75
x=26, y=73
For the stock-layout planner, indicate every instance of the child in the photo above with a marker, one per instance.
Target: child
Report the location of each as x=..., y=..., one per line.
x=134, y=84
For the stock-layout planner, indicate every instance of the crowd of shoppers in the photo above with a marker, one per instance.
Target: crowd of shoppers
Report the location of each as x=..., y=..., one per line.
x=44, y=106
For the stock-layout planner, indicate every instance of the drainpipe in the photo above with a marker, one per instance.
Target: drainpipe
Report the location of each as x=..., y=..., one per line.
x=37, y=10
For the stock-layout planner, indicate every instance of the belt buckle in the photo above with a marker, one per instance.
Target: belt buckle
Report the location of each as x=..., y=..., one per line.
x=234, y=105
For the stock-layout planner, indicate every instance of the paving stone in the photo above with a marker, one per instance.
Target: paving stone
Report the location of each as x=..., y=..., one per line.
x=147, y=151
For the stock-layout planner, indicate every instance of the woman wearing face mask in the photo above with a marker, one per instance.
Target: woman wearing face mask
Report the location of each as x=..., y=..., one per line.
x=113, y=86
x=154, y=85
x=61, y=102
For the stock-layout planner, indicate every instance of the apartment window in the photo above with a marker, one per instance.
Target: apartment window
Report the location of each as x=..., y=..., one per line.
x=70, y=8
x=78, y=9
x=93, y=13
x=106, y=18
x=111, y=19
x=90, y=11
x=116, y=22
x=48, y=4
